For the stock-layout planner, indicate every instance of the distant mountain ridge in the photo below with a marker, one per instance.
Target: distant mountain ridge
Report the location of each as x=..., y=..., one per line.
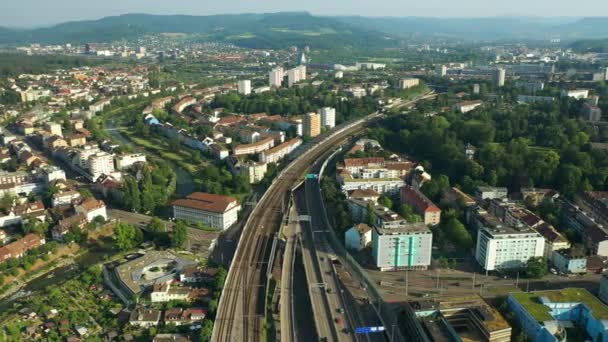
x=278, y=30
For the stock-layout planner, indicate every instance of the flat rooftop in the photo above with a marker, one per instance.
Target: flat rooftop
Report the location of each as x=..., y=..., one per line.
x=418, y=227
x=154, y=266
x=532, y=302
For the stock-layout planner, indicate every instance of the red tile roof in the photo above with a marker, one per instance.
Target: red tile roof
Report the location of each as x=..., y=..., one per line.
x=359, y=162
x=206, y=202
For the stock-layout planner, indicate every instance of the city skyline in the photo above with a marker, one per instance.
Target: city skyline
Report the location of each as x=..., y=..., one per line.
x=48, y=14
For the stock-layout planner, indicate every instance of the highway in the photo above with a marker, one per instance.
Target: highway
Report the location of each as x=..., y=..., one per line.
x=241, y=308
x=323, y=295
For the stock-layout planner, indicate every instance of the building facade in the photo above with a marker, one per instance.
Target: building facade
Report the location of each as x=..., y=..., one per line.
x=408, y=246
x=215, y=211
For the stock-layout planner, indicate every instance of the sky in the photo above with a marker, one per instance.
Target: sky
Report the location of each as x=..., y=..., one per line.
x=28, y=13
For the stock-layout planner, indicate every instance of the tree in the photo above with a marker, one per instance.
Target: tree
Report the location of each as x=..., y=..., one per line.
x=457, y=233
x=180, y=235
x=127, y=236
x=370, y=219
x=407, y=212
x=536, y=267
x=156, y=226
x=207, y=330
x=385, y=201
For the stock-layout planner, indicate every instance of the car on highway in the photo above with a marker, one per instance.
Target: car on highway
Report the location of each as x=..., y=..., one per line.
x=338, y=320
x=340, y=310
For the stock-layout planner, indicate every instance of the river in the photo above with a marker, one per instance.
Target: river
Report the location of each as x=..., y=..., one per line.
x=185, y=181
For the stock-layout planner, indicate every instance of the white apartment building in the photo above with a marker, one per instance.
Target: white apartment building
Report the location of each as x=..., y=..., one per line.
x=380, y=185
x=576, y=93
x=499, y=77
x=127, y=160
x=101, y=163
x=53, y=128
x=91, y=208
x=407, y=83
x=275, y=77
x=408, y=246
x=502, y=247
x=296, y=75
x=244, y=87
x=164, y=292
x=216, y=211
x=83, y=154
x=467, y=106
x=328, y=117
x=277, y=153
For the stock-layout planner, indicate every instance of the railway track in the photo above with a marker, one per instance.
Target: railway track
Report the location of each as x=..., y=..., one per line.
x=246, y=281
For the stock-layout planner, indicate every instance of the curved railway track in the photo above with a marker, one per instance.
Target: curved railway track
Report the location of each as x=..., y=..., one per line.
x=246, y=281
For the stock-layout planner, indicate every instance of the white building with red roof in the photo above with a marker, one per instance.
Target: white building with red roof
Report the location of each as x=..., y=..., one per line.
x=216, y=211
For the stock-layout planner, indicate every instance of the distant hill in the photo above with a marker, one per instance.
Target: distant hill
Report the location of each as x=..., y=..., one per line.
x=279, y=30
x=275, y=30
x=493, y=28
x=591, y=45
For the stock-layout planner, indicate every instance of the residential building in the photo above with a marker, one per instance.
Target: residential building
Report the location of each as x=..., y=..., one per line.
x=544, y=315
x=358, y=237
x=296, y=75
x=254, y=171
x=462, y=318
x=328, y=117
x=364, y=195
x=91, y=208
x=244, y=87
x=101, y=163
x=165, y=292
x=390, y=185
x=278, y=152
x=576, y=93
x=275, y=77
x=591, y=113
x=144, y=318
x=593, y=234
x=531, y=87
x=125, y=161
x=171, y=338
x=423, y=206
x=571, y=260
x=312, y=125
x=53, y=128
x=183, y=104
x=407, y=83
x=554, y=240
x=30, y=94
x=467, y=106
x=501, y=247
x=407, y=246
x=499, y=77
x=216, y=211
x=63, y=226
x=253, y=148
x=487, y=192
x=536, y=195
x=179, y=316
x=594, y=204
x=528, y=99
x=17, y=249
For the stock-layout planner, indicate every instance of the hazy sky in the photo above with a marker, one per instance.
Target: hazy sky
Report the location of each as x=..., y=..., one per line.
x=43, y=12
